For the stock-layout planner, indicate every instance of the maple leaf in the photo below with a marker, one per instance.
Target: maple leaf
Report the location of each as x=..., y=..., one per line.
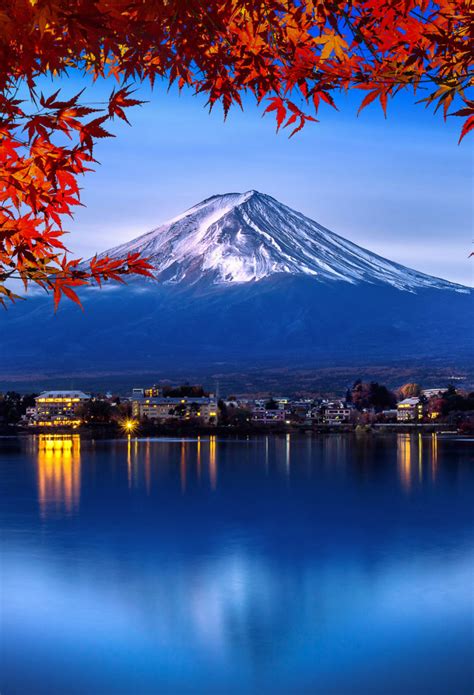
x=380, y=93
x=277, y=104
x=332, y=43
x=290, y=56
x=120, y=100
x=468, y=113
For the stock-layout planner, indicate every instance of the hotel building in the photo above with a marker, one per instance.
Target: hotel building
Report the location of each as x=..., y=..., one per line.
x=58, y=409
x=163, y=409
x=409, y=410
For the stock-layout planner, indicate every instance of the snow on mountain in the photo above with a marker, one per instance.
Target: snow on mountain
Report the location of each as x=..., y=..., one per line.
x=244, y=237
x=244, y=282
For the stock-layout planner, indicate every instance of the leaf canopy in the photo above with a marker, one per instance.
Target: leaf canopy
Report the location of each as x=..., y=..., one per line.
x=293, y=55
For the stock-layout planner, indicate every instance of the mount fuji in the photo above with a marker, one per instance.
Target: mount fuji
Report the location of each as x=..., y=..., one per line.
x=242, y=280
x=237, y=238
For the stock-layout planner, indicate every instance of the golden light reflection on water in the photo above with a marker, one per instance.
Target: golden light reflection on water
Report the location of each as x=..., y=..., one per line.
x=420, y=457
x=198, y=455
x=212, y=461
x=59, y=464
x=147, y=467
x=129, y=461
x=182, y=467
x=145, y=462
x=413, y=457
x=404, y=451
x=59, y=473
x=434, y=456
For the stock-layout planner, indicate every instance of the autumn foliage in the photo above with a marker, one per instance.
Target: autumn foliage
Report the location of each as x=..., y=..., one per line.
x=291, y=56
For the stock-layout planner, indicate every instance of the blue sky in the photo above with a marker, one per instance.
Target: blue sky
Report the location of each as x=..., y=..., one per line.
x=401, y=187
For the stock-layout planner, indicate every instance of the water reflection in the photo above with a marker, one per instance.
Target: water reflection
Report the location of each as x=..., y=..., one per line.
x=337, y=583
x=198, y=456
x=434, y=456
x=404, y=450
x=212, y=462
x=147, y=467
x=182, y=467
x=129, y=461
x=411, y=454
x=420, y=457
x=149, y=459
x=145, y=461
x=59, y=473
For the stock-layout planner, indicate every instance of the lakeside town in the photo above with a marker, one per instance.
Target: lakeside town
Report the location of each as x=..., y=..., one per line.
x=164, y=408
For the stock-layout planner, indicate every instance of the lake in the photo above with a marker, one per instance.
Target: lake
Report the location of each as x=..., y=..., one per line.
x=291, y=564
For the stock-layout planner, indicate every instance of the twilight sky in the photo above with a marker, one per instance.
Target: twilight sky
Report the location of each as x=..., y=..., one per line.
x=401, y=187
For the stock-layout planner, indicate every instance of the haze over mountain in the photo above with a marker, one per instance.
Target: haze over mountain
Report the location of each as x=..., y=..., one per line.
x=243, y=280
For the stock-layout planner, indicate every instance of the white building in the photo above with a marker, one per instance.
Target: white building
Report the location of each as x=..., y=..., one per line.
x=409, y=410
x=430, y=393
x=185, y=408
x=267, y=417
x=336, y=413
x=57, y=409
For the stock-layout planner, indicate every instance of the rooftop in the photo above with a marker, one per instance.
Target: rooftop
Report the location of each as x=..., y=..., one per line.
x=410, y=401
x=64, y=394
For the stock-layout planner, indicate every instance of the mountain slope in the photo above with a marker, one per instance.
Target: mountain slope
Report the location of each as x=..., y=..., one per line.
x=243, y=280
x=246, y=237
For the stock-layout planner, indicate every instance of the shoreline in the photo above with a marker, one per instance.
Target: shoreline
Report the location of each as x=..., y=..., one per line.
x=114, y=432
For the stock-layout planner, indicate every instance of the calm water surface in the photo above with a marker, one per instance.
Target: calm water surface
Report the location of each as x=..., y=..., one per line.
x=332, y=565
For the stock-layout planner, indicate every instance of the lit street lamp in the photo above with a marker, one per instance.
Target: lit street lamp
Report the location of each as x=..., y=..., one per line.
x=129, y=426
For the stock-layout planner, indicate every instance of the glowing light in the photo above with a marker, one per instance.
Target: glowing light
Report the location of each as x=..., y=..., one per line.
x=212, y=462
x=420, y=457
x=434, y=456
x=147, y=467
x=199, y=457
x=58, y=423
x=58, y=400
x=59, y=473
x=182, y=467
x=129, y=426
x=404, y=460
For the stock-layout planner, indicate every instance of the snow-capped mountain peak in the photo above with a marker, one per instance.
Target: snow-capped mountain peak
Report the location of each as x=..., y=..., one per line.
x=245, y=237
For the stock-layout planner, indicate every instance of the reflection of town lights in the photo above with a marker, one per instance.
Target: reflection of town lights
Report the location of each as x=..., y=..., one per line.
x=129, y=426
x=59, y=473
